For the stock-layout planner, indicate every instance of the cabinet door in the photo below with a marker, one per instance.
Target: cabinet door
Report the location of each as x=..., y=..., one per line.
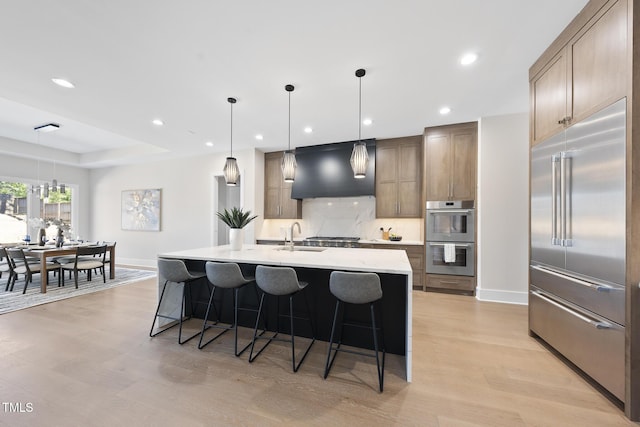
x=599, y=58
x=438, y=165
x=289, y=208
x=272, y=186
x=386, y=180
x=463, y=164
x=549, y=98
x=409, y=179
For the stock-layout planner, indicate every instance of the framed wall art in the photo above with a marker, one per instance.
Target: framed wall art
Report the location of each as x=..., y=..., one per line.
x=141, y=209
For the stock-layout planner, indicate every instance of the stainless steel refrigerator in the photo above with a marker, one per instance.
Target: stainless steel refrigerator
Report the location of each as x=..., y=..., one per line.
x=577, y=271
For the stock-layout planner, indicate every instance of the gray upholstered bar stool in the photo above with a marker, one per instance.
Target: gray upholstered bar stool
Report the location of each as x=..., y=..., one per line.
x=226, y=276
x=356, y=288
x=279, y=282
x=175, y=270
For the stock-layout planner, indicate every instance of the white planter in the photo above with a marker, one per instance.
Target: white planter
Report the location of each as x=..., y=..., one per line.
x=235, y=238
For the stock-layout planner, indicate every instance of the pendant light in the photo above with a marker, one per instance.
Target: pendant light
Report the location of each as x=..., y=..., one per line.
x=49, y=127
x=289, y=157
x=231, y=171
x=359, y=155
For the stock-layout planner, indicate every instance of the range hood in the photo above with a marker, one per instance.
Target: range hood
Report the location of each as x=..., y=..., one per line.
x=325, y=171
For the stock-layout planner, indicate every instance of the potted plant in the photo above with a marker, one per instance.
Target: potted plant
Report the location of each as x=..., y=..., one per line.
x=236, y=219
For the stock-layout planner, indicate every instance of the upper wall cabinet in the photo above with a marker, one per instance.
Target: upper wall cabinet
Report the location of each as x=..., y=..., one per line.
x=450, y=161
x=278, y=203
x=587, y=74
x=399, y=177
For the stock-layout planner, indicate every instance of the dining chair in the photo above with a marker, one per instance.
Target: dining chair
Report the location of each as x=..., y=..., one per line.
x=6, y=266
x=21, y=265
x=87, y=259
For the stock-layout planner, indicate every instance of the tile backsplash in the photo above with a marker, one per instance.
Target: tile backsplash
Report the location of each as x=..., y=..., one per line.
x=344, y=216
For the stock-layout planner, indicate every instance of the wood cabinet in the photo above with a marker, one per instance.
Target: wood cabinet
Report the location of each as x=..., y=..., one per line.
x=399, y=177
x=278, y=203
x=457, y=284
x=415, y=253
x=588, y=73
x=450, y=161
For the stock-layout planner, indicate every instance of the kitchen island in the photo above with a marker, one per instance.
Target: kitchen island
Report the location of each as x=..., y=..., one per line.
x=314, y=265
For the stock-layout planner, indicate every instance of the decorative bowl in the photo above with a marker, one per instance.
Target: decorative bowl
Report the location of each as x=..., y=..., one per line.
x=395, y=238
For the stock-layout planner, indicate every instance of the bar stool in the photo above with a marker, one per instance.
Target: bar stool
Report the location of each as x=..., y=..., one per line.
x=356, y=288
x=226, y=276
x=175, y=270
x=278, y=282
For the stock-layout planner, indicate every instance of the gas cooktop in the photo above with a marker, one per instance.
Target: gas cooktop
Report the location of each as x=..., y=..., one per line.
x=334, y=241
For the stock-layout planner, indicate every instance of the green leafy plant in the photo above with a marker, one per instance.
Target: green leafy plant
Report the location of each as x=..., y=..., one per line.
x=236, y=217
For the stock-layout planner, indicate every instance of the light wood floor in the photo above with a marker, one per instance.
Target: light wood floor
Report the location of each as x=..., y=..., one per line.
x=89, y=361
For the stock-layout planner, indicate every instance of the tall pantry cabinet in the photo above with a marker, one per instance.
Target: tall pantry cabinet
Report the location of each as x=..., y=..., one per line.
x=450, y=161
x=590, y=65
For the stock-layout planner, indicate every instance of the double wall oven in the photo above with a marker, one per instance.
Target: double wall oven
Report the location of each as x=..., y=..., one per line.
x=450, y=237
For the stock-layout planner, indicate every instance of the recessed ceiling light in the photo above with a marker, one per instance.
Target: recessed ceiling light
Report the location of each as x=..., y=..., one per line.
x=259, y=137
x=445, y=110
x=209, y=144
x=468, y=58
x=308, y=130
x=63, y=83
x=367, y=122
x=157, y=122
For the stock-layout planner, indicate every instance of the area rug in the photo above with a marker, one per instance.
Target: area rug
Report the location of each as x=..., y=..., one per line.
x=12, y=301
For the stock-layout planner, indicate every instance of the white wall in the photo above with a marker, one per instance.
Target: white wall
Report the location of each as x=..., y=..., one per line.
x=503, y=208
x=187, y=212
x=27, y=170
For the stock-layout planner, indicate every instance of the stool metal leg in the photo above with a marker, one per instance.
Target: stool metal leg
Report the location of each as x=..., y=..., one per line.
x=330, y=360
x=255, y=333
x=151, y=334
x=377, y=348
x=375, y=345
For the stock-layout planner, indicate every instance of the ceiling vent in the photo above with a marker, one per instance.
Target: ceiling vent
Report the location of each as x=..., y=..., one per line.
x=49, y=127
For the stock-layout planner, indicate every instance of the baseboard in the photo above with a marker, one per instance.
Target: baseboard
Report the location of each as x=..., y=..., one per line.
x=136, y=262
x=508, y=297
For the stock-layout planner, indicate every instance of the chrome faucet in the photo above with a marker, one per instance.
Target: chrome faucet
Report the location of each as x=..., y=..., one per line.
x=291, y=235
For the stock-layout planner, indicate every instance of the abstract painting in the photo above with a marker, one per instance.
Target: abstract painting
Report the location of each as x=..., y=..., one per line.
x=141, y=210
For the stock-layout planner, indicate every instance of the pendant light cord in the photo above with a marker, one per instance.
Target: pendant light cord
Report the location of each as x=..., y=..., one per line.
x=289, y=121
x=231, y=132
x=359, y=109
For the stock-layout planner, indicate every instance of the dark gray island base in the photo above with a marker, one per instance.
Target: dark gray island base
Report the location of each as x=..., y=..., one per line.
x=315, y=268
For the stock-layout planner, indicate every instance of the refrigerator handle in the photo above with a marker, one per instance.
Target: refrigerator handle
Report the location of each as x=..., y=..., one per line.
x=555, y=160
x=565, y=160
x=596, y=324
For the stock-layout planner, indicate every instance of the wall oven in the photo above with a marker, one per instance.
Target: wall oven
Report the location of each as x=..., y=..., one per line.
x=450, y=221
x=450, y=237
x=460, y=262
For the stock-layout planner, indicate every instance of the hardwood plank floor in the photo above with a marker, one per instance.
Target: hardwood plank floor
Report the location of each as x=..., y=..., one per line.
x=89, y=361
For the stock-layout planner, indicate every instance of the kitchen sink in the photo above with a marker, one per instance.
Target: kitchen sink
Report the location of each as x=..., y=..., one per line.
x=301, y=249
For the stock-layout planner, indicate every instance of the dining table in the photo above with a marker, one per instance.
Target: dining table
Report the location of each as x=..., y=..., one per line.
x=47, y=252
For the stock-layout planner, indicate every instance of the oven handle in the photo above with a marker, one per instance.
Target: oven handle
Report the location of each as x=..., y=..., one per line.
x=449, y=211
x=465, y=245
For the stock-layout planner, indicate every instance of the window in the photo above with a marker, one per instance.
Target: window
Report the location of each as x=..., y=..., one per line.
x=24, y=210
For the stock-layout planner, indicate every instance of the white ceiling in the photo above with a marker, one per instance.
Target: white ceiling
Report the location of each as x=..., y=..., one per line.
x=133, y=61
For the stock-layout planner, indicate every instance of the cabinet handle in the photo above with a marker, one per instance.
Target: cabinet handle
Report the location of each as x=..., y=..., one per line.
x=564, y=120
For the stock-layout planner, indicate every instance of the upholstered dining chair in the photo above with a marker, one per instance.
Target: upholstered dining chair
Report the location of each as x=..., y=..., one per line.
x=6, y=266
x=87, y=259
x=21, y=265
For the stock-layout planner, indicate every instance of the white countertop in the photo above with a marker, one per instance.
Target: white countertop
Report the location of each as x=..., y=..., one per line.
x=365, y=241
x=389, y=242
x=349, y=259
